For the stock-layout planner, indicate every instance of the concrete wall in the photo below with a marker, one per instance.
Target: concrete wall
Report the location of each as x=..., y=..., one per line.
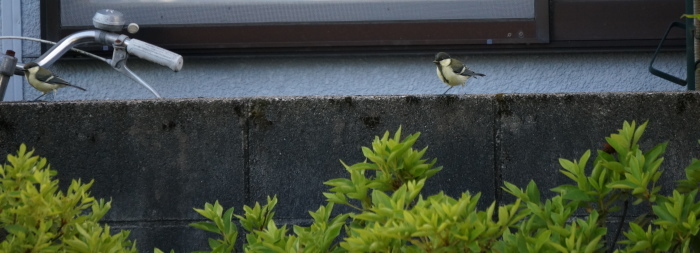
x=158, y=159
x=302, y=75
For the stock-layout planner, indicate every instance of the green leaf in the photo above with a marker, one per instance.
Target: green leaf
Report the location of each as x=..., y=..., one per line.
x=618, y=143
x=577, y=194
x=614, y=166
x=593, y=245
x=692, y=172
x=663, y=213
x=569, y=166
x=533, y=193
x=641, y=246
x=696, y=16
x=337, y=198
x=206, y=226
x=213, y=244
x=16, y=229
x=367, y=152
x=638, y=133
x=206, y=212
x=78, y=245
x=514, y=190
x=625, y=184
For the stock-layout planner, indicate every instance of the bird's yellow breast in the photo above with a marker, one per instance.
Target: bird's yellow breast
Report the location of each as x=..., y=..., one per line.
x=39, y=85
x=448, y=76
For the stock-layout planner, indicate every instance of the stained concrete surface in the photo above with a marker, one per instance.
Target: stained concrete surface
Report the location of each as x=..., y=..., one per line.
x=158, y=159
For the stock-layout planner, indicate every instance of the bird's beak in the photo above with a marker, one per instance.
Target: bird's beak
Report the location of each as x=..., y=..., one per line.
x=435, y=61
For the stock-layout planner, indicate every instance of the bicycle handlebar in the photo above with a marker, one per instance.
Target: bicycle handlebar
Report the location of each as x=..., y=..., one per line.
x=136, y=47
x=153, y=53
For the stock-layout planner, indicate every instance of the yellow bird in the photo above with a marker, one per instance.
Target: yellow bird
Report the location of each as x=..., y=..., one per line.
x=43, y=80
x=452, y=71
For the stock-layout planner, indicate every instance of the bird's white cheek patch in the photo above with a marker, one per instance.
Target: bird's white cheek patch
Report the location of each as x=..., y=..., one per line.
x=445, y=62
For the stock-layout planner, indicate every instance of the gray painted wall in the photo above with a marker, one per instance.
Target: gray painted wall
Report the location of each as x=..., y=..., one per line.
x=354, y=75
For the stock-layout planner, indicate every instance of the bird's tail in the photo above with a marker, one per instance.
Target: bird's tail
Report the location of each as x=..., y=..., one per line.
x=474, y=74
x=77, y=87
x=467, y=72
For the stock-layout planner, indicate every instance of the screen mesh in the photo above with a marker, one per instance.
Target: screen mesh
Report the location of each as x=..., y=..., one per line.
x=179, y=12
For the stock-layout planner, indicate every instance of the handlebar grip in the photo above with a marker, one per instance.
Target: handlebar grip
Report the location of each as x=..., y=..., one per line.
x=155, y=54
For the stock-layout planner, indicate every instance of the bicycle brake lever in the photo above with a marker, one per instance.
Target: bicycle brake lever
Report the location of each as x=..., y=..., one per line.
x=118, y=62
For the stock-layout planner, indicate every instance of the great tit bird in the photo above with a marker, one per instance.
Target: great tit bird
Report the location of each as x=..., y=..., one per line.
x=43, y=80
x=452, y=71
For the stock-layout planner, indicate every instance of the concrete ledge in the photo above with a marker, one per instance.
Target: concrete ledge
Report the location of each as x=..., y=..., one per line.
x=158, y=159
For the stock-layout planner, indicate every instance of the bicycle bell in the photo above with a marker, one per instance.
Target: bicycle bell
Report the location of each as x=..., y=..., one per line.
x=112, y=20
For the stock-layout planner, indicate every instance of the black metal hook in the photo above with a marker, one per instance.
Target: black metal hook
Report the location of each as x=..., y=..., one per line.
x=660, y=73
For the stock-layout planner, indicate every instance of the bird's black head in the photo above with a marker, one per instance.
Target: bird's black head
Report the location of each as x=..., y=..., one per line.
x=441, y=56
x=30, y=65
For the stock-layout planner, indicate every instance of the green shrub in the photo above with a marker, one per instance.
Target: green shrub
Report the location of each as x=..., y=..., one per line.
x=36, y=217
x=392, y=216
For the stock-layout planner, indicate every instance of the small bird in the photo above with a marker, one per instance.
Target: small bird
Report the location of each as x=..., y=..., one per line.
x=452, y=71
x=43, y=80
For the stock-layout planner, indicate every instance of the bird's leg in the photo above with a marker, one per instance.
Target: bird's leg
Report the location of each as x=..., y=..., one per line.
x=448, y=90
x=39, y=97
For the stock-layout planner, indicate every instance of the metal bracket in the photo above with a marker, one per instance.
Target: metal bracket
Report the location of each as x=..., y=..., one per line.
x=660, y=73
x=7, y=70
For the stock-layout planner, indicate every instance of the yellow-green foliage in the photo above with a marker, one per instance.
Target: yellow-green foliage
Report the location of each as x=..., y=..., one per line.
x=390, y=215
x=36, y=217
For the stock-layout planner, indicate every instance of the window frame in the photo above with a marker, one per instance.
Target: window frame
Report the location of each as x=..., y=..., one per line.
x=322, y=36
x=558, y=26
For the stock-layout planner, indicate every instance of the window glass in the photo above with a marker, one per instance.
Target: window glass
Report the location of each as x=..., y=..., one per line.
x=171, y=12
